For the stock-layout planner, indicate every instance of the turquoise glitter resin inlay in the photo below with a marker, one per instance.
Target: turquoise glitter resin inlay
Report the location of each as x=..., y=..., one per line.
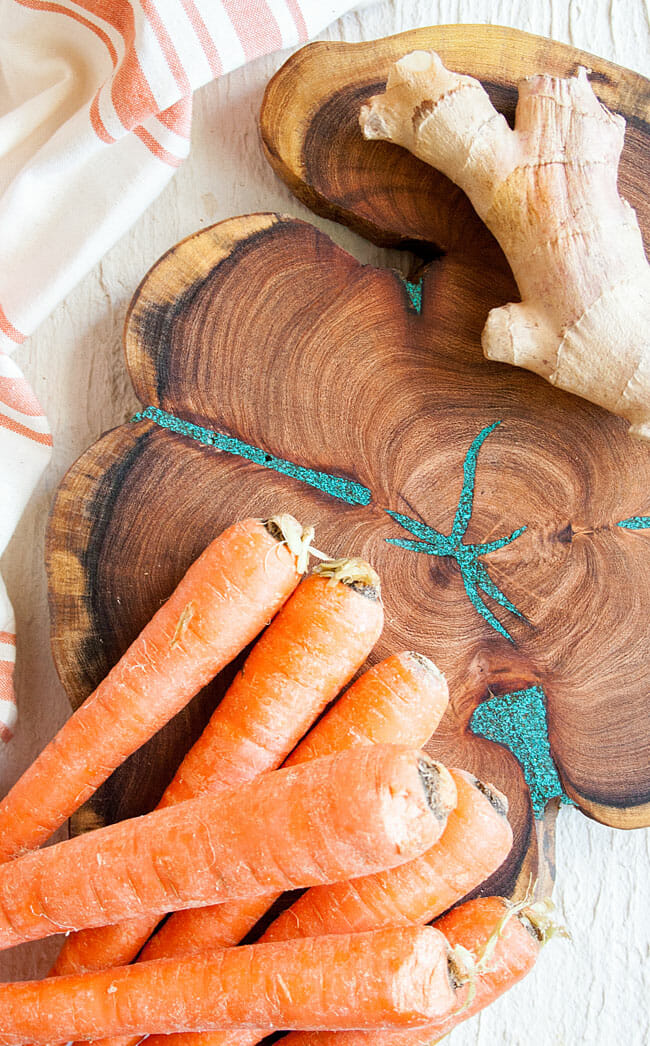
x=635, y=523
x=518, y=721
x=429, y=541
x=335, y=486
x=414, y=291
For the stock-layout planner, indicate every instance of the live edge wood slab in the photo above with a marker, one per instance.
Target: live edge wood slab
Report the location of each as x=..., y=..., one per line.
x=508, y=520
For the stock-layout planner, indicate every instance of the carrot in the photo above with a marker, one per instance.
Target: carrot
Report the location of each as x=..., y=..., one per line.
x=489, y=928
x=476, y=840
x=225, y=598
x=400, y=701
x=312, y=648
x=316, y=644
x=393, y=978
x=341, y=816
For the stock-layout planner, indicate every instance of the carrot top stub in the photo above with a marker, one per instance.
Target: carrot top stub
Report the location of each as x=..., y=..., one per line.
x=439, y=787
x=356, y=573
x=286, y=529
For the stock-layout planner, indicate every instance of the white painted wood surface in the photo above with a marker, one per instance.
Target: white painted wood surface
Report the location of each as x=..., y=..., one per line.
x=593, y=991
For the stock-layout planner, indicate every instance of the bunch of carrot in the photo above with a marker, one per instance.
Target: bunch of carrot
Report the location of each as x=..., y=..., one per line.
x=385, y=838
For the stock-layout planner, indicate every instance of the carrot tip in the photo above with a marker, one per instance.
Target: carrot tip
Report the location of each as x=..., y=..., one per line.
x=355, y=573
x=297, y=538
x=439, y=787
x=426, y=664
x=543, y=922
x=496, y=798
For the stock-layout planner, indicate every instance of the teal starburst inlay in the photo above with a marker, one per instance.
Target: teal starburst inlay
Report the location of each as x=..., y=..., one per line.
x=473, y=572
x=518, y=721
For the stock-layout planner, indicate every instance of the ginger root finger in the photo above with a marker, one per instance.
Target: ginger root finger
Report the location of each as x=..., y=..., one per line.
x=547, y=191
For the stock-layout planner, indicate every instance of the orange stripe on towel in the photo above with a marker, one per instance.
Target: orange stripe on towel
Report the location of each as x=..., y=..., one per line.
x=16, y=393
x=23, y=430
x=9, y=328
x=6, y=681
x=258, y=35
x=156, y=148
x=203, y=36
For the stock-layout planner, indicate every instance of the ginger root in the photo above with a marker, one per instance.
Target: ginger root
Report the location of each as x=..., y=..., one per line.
x=547, y=191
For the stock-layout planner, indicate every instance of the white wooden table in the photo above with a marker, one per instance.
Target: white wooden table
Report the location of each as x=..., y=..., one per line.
x=594, y=991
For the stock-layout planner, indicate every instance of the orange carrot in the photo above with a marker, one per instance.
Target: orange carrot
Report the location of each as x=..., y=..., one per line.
x=509, y=949
x=399, y=701
x=473, y=845
x=312, y=648
x=226, y=597
x=333, y=818
x=476, y=840
x=393, y=978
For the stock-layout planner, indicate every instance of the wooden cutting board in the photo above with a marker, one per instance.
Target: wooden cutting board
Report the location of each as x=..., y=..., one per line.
x=276, y=373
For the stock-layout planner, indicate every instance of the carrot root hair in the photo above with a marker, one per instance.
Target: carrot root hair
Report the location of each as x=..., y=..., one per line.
x=291, y=533
x=537, y=916
x=543, y=922
x=186, y=616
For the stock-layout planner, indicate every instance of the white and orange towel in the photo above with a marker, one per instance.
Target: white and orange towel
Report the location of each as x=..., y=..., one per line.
x=95, y=115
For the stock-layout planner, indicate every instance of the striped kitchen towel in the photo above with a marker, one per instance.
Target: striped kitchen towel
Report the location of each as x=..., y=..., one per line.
x=95, y=115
